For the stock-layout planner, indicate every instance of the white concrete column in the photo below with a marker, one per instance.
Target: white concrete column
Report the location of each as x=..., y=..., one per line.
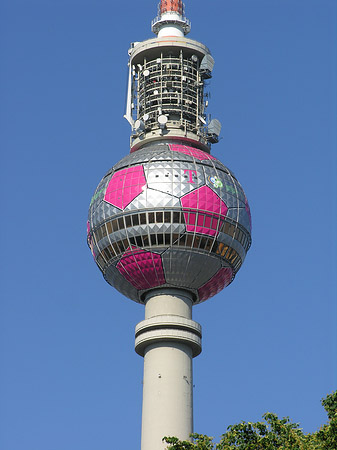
x=168, y=339
x=168, y=301
x=171, y=30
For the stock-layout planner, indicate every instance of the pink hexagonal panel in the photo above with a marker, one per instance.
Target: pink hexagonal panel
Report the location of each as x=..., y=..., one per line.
x=124, y=186
x=218, y=282
x=143, y=269
x=196, y=203
x=190, y=151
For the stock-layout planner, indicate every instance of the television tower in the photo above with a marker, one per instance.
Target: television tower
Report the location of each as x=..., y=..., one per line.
x=169, y=225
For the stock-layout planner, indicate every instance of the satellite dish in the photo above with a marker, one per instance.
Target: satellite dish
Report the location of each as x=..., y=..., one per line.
x=162, y=120
x=139, y=126
x=146, y=117
x=146, y=73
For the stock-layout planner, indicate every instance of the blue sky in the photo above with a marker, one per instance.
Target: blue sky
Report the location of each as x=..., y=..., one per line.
x=70, y=378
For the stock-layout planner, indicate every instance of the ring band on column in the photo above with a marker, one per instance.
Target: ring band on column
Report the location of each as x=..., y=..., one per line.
x=168, y=328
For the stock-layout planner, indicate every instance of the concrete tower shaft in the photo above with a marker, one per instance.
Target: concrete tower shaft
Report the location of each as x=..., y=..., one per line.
x=168, y=339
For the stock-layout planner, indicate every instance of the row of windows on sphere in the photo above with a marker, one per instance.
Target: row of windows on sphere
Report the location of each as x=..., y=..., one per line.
x=170, y=239
x=174, y=217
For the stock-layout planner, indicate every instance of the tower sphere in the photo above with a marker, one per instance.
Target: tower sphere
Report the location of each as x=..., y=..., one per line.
x=169, y=216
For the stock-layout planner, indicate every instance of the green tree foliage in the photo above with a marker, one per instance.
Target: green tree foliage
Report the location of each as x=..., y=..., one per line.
x=270, y=434
x=326, y=437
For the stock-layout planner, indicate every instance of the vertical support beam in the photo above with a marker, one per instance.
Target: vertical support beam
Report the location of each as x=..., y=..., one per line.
x=181, y=87
x=168, y=339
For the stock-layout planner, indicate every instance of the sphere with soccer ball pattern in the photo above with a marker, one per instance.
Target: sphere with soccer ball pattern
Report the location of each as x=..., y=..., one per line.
x=169, y=215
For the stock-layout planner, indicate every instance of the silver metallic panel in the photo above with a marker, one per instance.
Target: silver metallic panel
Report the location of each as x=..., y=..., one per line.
x=103, y=212
x=151, y=198
x=177, y=181
x=113, y=277
x=225, y=186
x=188, y=269
x=241, y=216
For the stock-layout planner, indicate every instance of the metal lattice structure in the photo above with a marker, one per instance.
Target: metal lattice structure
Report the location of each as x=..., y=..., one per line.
x=169, y=85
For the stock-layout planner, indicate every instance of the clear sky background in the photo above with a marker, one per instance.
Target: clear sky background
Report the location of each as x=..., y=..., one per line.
x=70, y=378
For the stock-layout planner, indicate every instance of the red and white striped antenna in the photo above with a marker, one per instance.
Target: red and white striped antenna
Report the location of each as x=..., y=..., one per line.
x=171, y=20
x=171, y=6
